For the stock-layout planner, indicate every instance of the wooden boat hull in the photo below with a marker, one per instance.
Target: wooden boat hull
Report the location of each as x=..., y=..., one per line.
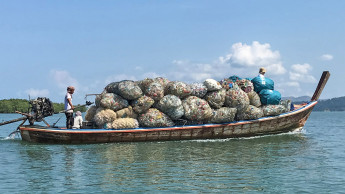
x=267, y=125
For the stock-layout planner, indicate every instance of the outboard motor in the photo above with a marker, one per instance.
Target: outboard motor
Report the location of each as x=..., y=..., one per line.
x=41, y=107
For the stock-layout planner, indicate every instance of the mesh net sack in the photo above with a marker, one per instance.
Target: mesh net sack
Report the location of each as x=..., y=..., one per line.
x=142, y=104
x=250, y=113
x=155, y=118
x=246, y=85
x=254, y=98
x=129, y=90
x=143, y=84
x=273, y=110
x=126, y=113
x=216, y=99
x=98, y=98
x=223, y=115
x=178, y=89
x=125, y=123
x=99, y=109
x=172, y=106
x=196, y=109
x=113, y=101
x=155, y=90
x=212, y=85
x=163, y=81
x=198, y=89
x=228, y=84
x=112, y=87
x=90, y=113
x=287, y=104
x=236, y=98
x=175, y=113
x=104, y=116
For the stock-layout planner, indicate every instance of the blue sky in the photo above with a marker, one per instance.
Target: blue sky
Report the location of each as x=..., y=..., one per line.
x=47, y=45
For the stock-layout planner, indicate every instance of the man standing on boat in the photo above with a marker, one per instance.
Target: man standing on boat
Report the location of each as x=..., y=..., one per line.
x=260, y=82
x=262, y=72
x=69, y=107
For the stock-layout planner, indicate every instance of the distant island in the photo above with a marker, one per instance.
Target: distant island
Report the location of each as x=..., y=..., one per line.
x=22, y=105
x=333, y=104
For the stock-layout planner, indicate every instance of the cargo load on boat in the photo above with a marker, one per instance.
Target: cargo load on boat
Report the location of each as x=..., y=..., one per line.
x=159, y=102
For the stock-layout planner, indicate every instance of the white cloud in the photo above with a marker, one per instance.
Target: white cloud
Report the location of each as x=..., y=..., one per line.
x=243, y=60
x=327, y=57
x=191, y=72
x=63, y=79
x=300, y=73
x=151, y=75
x=119, y=77
x=251, y=57
x=33, y=93
x=138, y=68
x=302, y=69
x=293, y=84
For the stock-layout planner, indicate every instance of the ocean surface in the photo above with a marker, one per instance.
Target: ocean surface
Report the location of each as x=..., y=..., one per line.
x=310, y=161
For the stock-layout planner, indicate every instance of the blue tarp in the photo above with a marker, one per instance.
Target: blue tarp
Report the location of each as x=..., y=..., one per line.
x=234, y=78
x=260, y=84
x=269, y=97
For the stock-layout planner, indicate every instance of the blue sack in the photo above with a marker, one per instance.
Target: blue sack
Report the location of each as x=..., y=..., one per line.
x=262, y=83
x=269, y=97
x=234, y=78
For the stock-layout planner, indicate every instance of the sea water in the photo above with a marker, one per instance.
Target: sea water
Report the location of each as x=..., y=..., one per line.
x=310, y=161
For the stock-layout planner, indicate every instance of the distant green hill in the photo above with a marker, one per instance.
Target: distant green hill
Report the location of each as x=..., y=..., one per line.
x=22, y=105
x=297, y=99
x=333, y=104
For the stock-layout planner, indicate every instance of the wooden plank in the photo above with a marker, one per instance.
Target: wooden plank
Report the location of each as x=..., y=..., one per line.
x=14, y=120
x=323, y=80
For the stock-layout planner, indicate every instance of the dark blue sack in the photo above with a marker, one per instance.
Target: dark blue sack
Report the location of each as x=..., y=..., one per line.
x=269, y=97
x=260, y=84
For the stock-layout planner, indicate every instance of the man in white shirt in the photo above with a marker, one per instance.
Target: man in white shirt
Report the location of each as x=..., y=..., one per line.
x=262, y=72
x=69, y=107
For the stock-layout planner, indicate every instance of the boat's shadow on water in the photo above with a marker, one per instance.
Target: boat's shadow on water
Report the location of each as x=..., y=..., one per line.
x=159, y=165
x=185, y=161
x=219, y=149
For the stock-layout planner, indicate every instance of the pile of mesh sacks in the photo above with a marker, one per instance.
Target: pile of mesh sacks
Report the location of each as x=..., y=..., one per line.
x=159, y=102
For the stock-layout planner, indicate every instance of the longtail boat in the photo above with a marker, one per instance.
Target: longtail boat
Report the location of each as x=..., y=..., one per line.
x=286, y=122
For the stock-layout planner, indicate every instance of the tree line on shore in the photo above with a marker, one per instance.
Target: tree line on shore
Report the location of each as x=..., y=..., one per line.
x=22, y=105
x=333, y=104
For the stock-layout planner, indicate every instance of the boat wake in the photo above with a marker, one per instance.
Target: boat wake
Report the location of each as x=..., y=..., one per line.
x=296, y=131
x=9, y=137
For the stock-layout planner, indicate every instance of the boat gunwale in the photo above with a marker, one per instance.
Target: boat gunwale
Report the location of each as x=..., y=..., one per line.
x=234, y=123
